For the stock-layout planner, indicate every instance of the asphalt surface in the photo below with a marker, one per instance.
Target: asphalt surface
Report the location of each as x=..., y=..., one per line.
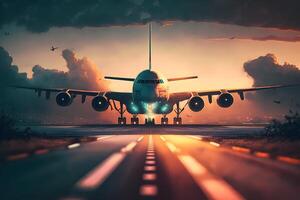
x=148, y=163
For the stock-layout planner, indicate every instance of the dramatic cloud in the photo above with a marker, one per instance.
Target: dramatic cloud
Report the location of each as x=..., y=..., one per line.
x=278, y=38
x=81, y=74
x=265, y=70
x=262, y=38
x=39, y=16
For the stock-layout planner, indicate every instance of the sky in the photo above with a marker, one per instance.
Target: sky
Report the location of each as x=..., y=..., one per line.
x=192, y=48
x=214, y=46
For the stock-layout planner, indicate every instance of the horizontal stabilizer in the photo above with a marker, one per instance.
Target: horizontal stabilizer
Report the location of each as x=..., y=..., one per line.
x=119, y=78
x=182, y=78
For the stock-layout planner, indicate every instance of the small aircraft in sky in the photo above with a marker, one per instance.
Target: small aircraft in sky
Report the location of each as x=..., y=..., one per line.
x=53, y=48
x=150, y=96
x=277, y=101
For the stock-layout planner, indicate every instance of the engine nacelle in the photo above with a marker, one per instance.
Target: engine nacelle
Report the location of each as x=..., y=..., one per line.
x=196, y=104
x=64, y=99
x=225, y=100
x=100, y=103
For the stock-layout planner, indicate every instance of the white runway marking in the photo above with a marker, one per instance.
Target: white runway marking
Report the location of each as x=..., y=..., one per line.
x=99, y=174
x=195, y=137
x=104, y=137
x=96, y=177
x=172, y=147
x=129, y=147
x=140, y=139
x=214, y=144
x=162, y=138
x=72, y=146
x=215, y=188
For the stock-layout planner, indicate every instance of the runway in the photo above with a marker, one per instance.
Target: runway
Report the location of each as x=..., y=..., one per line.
x=139, y=163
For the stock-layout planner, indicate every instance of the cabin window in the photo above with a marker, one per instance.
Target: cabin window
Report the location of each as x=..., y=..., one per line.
x=142, y=81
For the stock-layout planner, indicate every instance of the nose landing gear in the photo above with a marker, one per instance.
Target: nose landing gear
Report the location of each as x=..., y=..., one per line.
x=149, y=121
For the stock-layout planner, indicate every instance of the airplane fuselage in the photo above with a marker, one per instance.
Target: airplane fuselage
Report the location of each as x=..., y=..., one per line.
x=150, y=88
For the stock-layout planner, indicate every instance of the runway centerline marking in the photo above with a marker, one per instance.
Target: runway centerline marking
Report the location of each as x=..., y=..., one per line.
x=99, y=174
x=214, y=187
x=148, y=190
x=150, y=157
x=149, y=175
x=149, y=168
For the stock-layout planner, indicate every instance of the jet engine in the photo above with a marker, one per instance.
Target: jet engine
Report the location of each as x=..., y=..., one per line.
x=196, y=104
x=64, y=99
x=100, y=103
x=225, y=100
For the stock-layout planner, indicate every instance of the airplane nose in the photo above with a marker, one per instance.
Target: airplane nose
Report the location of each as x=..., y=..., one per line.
x=150, y=95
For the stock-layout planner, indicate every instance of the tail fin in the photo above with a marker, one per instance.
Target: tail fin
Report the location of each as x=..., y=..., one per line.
x=150, y=45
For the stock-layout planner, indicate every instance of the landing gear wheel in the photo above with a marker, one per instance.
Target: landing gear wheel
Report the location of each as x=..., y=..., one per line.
x=134, y=120
x=164, y=120
x=122, y=120
x=177, y=120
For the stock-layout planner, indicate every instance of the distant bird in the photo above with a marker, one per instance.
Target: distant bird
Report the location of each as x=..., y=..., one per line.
x=232, y=38
x=277, y=101
x=53, y=48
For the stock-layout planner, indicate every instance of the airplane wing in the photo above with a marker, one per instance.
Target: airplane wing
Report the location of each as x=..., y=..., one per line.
x=182, y=78
x=181, y=96
x=71, y=91
x=118, y=96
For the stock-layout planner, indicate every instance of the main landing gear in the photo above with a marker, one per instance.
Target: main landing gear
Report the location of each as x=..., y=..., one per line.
x=121, y=111
x=134, y=120
x=164, y=120
x=178, y=120
x=122, y=120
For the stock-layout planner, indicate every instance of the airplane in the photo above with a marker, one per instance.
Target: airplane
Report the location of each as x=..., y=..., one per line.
x=150, y=96
x=53, y=48
x=277, y=101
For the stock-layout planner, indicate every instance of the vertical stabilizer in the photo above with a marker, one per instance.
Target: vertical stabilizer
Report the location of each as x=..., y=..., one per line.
x=150, y=45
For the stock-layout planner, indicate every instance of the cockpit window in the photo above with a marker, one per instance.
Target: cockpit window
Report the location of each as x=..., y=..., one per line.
x=150, y=81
